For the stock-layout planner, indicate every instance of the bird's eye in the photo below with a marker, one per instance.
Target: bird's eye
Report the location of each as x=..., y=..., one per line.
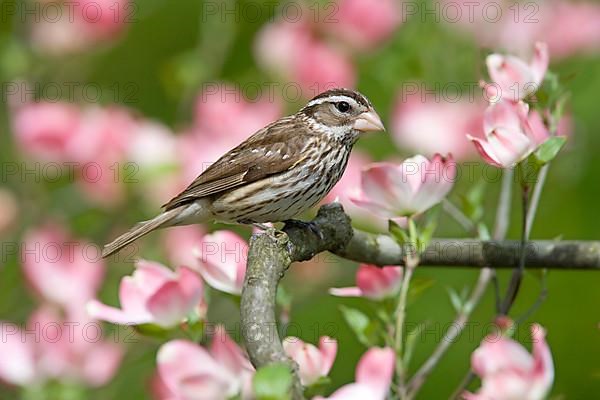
x=343, y=106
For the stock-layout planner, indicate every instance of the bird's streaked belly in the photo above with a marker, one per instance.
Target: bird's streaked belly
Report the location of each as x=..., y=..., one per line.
x=283, y=196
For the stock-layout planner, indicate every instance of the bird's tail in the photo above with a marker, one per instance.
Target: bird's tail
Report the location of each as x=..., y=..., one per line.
x=138, y=231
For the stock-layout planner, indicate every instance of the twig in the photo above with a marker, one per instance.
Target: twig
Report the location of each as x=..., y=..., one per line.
x=539, y=301
x=458, y=216
x=535, y=198
x=270, y=255
x=503, y=212
x=517, y=275
x=486, y=274
x=411, y=261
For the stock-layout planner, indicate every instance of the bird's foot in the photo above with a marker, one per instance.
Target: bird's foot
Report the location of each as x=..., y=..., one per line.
x=262, y=227
x=302, y=224
x=257, y=225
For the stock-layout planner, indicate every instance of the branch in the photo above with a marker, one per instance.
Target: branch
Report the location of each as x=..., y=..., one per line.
x=383, y=250
x=272, y=252
x=269, y=256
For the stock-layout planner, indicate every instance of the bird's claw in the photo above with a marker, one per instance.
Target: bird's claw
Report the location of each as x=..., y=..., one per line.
x=302, y=224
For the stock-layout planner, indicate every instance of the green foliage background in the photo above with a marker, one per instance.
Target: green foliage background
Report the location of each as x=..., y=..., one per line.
x=172, y=47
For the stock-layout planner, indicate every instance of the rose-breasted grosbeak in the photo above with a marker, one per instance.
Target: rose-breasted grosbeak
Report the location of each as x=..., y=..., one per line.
x=276, y=174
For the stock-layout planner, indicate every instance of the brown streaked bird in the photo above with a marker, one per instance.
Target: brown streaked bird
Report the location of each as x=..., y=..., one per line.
x=277, y=173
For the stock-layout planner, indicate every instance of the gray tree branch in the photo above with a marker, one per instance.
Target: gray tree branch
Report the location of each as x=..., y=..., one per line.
x=272, y=252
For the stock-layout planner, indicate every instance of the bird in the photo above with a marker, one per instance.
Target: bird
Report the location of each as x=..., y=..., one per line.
x=276, y=174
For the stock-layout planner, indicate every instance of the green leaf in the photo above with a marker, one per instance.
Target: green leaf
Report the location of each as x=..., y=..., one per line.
x=483, y=232
x=472, y=201
x=317, y=388
x=428, y=230
x=549, y=149
x=152, y=330
x=418, y=286
x=412, y=231
x=455, y=299
x=272, y=382
x=398, y=232
x=364, y=329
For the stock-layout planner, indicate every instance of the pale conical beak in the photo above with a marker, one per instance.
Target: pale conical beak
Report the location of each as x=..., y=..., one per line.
x=369, y=121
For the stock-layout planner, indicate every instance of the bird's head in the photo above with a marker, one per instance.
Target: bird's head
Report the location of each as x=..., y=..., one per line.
x=341, y=111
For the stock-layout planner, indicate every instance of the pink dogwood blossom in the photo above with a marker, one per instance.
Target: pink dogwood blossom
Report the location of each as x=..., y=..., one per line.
x=315, y=64
x=373, y=282
x=363, y=24
x=510, y=138
x=62, y=349
x=222, y=259
x=313, y=362
x=373, y=377
x=188, y=371
x=513, y=78
x=153, y=294
x=412, y=187
x=45, y=130
x=429, y=125
x=60, y=268
x=509, y=372
x=81, y=26
x=349, y=186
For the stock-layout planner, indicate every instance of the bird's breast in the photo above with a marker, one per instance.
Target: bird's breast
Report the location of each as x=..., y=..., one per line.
x=286, y=195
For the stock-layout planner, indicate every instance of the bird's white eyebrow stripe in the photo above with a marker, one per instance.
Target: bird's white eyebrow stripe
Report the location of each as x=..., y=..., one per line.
x=332, y=98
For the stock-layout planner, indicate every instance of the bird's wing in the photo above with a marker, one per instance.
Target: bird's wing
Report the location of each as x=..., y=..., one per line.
x=271, y=150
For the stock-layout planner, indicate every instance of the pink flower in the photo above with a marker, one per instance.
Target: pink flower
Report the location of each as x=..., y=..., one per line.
x=418, y=121
x=65, y=349
x=364, y=24
x=412, y=187
x=509, y=134
x=314, y=64
x=44, y=130
x=153, y=162
x=223, y=114
x=59, y=268
x=101, y=145
x=573, y=27
x=180, y=242
x=314, y=362
x=81, y=25
x=373, y=282
x=153, y=294
x=103, y=19
x=373, y=377
x=188, y=371
x=320, y=67
x=222, y=259
x=95, y=139
x=274, y=41
x=509, y=372
x=515, y=79
x=349, y=186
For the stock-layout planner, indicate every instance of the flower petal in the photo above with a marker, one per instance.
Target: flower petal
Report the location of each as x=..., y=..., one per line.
x=168, y=305
x=375, y=369
x=351, y=291
x=485, y=151
x=539, y=64
x=328, y=348
x=102, y=312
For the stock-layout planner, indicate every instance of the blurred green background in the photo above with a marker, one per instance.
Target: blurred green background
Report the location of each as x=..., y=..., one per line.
x=171, y=49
